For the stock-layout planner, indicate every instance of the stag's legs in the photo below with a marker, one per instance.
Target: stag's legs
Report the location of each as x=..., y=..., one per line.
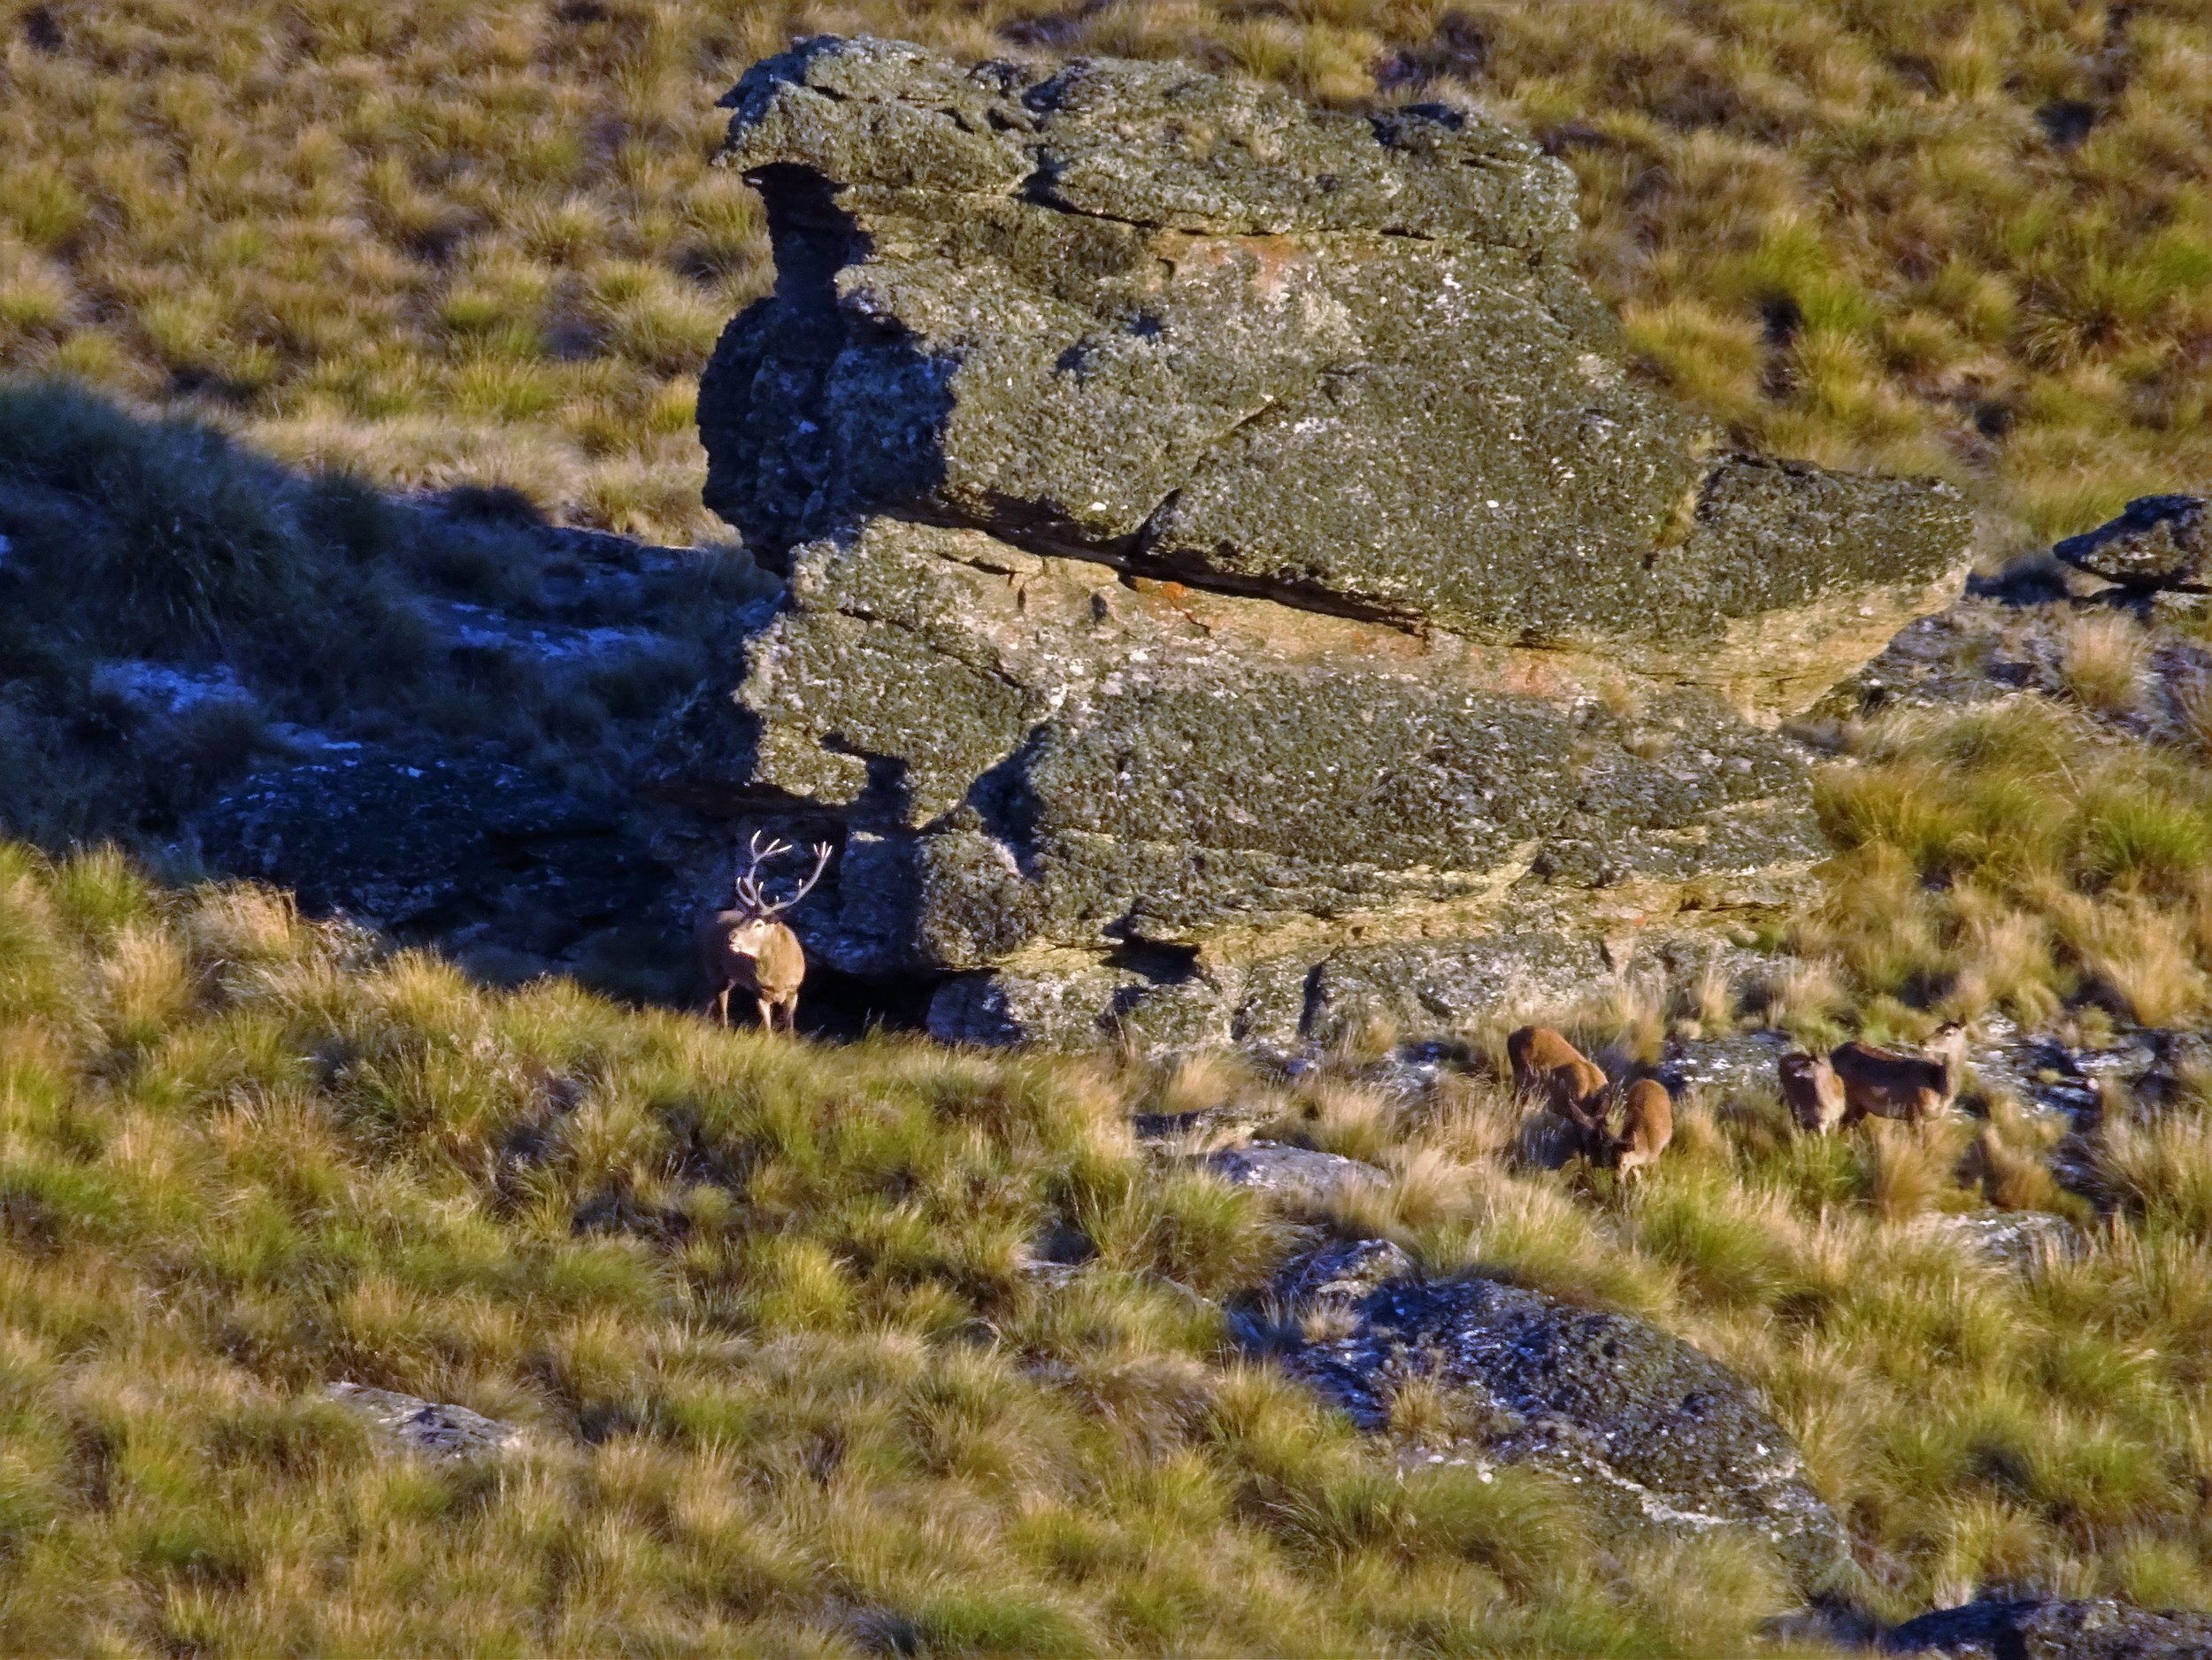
x=720, y=1003
x=767, y=1013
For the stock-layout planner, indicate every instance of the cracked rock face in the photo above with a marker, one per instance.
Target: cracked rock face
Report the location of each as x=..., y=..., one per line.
x=1655, y=1434
x=1235, y=587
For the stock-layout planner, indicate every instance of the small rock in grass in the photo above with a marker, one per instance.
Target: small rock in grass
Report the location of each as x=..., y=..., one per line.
x=434, y=1428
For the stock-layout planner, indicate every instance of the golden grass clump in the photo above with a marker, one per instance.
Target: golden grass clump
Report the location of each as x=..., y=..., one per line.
x=2101, y=661
x=2017, y=858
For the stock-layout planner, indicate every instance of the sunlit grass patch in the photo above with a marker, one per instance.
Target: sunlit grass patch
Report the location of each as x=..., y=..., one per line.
x=836, y=1327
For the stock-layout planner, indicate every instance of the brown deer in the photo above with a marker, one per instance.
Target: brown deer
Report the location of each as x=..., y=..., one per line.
x=746, y=946
x=1570, y=1083
x=1646, y=1127
x=1814, y=1091
x=1889, y=1083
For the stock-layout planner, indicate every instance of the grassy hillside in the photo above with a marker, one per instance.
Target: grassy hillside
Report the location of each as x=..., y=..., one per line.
x=440, y=241
x=793, y=1385
x=770, y=1311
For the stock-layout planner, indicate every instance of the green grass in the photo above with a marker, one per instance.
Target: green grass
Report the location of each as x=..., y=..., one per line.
x=435, y=242
x=2021, y=856
x=764, y=1310
x=763, y=1307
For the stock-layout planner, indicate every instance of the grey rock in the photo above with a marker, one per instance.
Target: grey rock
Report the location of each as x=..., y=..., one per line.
x=470, y=853
x=1294, y=1173
x=1137, y=312
x=2016, y=1238
x=1744, y=1065
x=1189, y=818
x=1652, y=1432
x=1346, y=1272
x=439, y=1429
x=2055, y=1628
x=2158, y=542
x=1235, y=591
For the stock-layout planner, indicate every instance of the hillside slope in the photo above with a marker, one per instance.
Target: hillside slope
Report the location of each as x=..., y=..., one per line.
x=889, y=1347
x=440, y=242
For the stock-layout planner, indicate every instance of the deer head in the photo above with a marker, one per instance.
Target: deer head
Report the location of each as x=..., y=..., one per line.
x=745, y=884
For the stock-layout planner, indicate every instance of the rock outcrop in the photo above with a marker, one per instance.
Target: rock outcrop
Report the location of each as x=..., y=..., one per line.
x=1655, y=1434
x=2055, y=1628
x=512, y=873
x=2157, y=541
x=1235, y=588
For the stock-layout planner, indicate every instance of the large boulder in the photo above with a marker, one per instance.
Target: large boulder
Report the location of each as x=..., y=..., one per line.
x=1235, y=586
x=1656, y=1436
x=511, y=872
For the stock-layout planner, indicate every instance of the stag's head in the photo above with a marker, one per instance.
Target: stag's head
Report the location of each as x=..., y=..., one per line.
x=750, y=901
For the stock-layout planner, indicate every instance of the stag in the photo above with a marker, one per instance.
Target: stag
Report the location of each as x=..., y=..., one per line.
x=1646, y=1127
x=746, y=946
x=1889, y=1083
x=1572, y=1086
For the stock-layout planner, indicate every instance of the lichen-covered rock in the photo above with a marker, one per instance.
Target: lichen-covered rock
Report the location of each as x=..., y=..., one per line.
x=437, y=1428
x=1207, y=817
x=1298, y=1173
x=2157, y=541
x=1135, y=312
x=511, y=872
x=1652, y=1432
x=1235, y=589
x=2055, y=1628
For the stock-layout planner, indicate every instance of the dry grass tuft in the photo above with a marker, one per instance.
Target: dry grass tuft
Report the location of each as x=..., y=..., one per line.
x=2102, y=660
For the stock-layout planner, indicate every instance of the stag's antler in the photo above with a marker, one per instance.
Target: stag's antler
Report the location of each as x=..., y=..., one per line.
x=746, y=884
x=821, y=864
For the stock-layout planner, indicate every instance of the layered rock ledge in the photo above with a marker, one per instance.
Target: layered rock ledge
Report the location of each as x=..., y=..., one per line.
x=1234, y=584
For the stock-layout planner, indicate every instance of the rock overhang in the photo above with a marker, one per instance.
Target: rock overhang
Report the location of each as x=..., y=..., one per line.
x=1111, y=310
x=1230, y=562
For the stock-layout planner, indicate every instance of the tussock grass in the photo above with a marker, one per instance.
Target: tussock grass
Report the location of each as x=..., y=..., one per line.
x=481, y=242
x=258, y=598
x=793, y=1380
x=2018, y=858
x=768, y=1311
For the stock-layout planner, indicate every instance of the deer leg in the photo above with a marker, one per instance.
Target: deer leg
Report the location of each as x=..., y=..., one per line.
x=767, y=1013
x=791, y=1013
x=720, y=1003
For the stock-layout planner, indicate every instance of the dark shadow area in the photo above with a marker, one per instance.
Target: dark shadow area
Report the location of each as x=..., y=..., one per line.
x=813, y=411
x=843, y=1007
x=425, y=713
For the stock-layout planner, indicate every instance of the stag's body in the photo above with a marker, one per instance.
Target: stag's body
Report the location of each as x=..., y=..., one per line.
x=1812, y=1090
x=741, y=952
x=1569, y=1082
x=1646, y=1127
x=1889, y=1083
x=745, y=947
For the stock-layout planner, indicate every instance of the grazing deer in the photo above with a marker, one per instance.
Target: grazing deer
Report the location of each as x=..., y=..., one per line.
x=1893, y=1084
x=1570, y=1084
x=746, y=946
x=1814, y=1091
x=1646, y=1127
